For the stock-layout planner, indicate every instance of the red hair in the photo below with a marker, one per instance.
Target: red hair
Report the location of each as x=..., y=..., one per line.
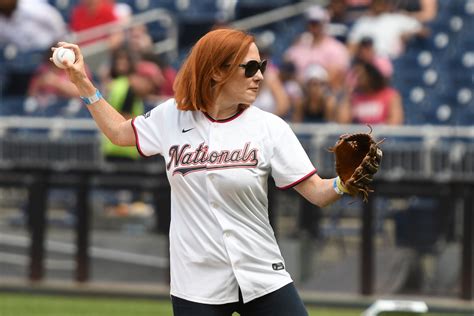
x=206, y=69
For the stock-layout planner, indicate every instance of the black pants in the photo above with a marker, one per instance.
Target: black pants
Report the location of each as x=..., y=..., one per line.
x=282, y=302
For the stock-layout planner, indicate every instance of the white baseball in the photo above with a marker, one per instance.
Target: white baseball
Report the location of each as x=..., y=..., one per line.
x=62, y=54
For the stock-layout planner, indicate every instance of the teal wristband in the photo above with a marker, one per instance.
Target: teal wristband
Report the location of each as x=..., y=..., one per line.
x=93, y=98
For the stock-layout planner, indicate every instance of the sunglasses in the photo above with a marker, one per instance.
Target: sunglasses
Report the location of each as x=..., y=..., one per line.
x=253, y=66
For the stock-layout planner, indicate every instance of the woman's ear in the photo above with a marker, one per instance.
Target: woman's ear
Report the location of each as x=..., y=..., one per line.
x=217, y=76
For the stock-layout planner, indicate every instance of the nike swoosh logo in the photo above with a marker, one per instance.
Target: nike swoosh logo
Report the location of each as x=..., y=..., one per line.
x=186, y=130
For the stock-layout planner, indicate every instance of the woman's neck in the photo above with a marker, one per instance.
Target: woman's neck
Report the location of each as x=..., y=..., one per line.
x=222, y=115
x=222, y=112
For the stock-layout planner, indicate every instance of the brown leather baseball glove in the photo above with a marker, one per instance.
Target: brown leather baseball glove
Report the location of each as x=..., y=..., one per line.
x=358, y=158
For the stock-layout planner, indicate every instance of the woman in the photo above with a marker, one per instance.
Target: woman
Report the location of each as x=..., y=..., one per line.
x=319, y=105
x=373, y=100
x=219, y=151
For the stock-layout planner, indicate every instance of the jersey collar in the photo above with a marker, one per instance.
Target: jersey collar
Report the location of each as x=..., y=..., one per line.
x=233, y=117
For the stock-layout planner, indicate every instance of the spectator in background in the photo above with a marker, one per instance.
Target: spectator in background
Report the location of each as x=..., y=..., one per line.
x=169, y=74
x=122, y=11
x=343, y=13
x=27, y=28
x=365, y=51
x=389, y=30
x=373, y=100
x=272, y=96
x=292, y=87
x=424, y=11
x=30, y=25
x=128, y=84
x=50, y=86
x=341, y=19
x=318, y=102
x=363, y=4
x=315, y=46
x=127, y=93
x=136, y=45
x=50, y=83
x=121, y=63
x=88, y=14
x=139, y=40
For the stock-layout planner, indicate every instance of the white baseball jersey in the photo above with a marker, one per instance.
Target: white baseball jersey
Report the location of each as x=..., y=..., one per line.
x=220, y=235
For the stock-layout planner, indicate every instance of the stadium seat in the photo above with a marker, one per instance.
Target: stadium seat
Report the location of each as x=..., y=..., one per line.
x=139, y=6
x=64, y=7
x=460, y=7
x=246, y=8
x=197, y=18
x=17, y=68
x=465, y=112
x=441, y=110
x=12, y=106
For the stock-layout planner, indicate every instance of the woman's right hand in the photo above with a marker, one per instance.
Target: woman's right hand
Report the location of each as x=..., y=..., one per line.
x=76, y=70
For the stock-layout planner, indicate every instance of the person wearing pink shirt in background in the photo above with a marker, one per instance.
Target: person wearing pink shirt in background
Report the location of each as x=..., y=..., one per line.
x=315, y=46
x=373, y=100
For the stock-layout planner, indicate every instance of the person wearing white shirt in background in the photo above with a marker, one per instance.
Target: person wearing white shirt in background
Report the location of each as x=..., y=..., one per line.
x=30, y=25
x=388, y=29
x=27, y=29
x=219, y=151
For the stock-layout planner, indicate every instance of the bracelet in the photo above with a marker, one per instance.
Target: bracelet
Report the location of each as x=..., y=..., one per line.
x=93, y=98
x=338, y=186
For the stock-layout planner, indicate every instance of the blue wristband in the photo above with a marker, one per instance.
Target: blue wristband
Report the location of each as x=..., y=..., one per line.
x=92, y=99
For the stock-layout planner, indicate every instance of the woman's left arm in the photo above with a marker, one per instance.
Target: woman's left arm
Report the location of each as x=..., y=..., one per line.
x=318, y=191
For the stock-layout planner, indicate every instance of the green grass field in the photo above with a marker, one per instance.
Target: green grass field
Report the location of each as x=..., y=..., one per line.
x=41, y=305
x=49, y=305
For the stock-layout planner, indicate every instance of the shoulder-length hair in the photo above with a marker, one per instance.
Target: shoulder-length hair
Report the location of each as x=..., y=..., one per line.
x=377, y=81
x=208, y=67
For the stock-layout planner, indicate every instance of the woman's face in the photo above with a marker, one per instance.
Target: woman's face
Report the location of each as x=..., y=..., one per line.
x=315, y=86
x=122, y=64
x=241, y=89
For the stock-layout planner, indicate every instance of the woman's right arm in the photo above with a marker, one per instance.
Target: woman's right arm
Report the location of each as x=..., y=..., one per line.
x=118, y=129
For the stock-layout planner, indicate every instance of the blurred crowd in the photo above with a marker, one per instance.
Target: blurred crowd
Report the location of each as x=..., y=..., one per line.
x=338, y=70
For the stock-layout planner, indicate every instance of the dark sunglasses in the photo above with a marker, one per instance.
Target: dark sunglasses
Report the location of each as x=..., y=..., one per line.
x=253, y=66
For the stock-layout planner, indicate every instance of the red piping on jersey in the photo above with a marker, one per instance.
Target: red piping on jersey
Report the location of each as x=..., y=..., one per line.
x=137, y=142
x=233, y=117
x=298, y=181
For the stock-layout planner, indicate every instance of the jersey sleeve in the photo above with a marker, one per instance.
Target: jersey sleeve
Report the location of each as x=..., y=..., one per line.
x=150, y=129
x=290, y=164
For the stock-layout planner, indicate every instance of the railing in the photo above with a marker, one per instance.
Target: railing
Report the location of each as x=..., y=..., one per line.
x=273, y=15
x=435, y=153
